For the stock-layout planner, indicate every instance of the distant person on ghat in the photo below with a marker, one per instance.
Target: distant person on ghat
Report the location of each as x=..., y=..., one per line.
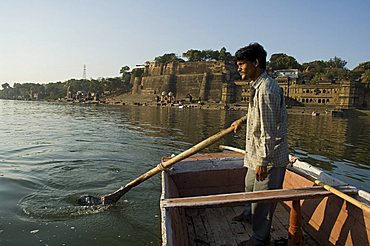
x=266, y=139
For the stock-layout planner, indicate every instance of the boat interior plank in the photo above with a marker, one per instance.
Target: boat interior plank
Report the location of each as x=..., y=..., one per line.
x=214, y=226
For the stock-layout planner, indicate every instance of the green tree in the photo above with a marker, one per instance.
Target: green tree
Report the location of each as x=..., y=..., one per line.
x=7, y=92
x=53, y=91
x=333, y=70
x=311, y=72
x=224, y=55
x=5, y=86
x=126, y=75
x=124, y=70
x=362, y=67
x=193, y=55
x=208, y=55
x=168, y=58
x=336, y=62
x=313, y=67
x=115, y=85
x=282, y=61
x=22, y=90
x=336, y=74
x=95, y=86
x=137, y=72
x=361, y=73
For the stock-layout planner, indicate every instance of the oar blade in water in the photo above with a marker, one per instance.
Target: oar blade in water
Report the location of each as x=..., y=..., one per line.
x=115, y=196
x=88, y=200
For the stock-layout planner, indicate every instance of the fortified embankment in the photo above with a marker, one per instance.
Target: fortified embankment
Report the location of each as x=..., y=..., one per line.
x=197, y=80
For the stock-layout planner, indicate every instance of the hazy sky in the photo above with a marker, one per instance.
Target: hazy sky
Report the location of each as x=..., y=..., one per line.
x=50, y=40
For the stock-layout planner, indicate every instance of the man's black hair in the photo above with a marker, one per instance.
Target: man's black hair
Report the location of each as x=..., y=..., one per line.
x=252, y=52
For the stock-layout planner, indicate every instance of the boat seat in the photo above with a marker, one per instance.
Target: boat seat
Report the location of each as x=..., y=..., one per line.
x=232, y=199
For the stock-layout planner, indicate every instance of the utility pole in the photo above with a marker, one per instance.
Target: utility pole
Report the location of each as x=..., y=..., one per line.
x=84, y=73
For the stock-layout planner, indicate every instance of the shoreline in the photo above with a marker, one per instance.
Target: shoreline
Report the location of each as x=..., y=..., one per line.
x=145, y=101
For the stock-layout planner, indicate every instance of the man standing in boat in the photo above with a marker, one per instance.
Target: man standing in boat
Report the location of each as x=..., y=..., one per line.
x=266, y=139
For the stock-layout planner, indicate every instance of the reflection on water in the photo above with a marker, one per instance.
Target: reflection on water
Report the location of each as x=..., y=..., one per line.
x=50, y=154
x=339, y=145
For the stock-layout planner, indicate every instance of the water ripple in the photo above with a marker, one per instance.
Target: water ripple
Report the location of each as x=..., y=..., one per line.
x=49, y=206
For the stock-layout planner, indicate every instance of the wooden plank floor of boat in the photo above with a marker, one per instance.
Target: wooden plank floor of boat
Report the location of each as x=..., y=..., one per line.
x=214, y=226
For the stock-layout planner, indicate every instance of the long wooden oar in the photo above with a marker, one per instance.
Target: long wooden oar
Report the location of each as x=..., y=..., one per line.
x=327, y=187
x=115, y=196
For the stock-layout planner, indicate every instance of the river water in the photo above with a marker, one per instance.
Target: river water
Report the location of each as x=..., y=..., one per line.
x=52, y=153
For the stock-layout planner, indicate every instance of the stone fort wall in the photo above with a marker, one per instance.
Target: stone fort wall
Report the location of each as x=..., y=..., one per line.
x=200, y=80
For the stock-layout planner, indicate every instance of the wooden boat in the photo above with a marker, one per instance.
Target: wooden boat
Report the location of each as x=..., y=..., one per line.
x=201, y=195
